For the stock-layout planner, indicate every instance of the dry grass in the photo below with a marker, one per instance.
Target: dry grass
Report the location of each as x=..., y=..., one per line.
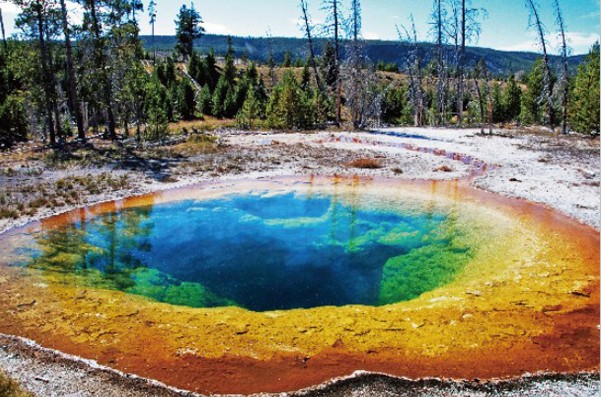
x=10, y=388
x=30, y=195
x=370, y=164
x=208, y=123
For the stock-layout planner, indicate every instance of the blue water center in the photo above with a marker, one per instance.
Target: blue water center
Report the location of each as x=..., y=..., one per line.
x=260, y=251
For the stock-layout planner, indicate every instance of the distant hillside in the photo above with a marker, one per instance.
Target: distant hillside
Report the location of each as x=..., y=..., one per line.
x=257, y=49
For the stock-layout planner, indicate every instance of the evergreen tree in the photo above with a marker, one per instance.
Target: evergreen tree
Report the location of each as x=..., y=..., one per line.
x=185, y=100
x=166, y=73
x=252, y=74
x=287, y=62
x=229, y=70
x=196, y=69
x=188, y=29
x=241, y=92
x=220, y=95
x=328, y=65
x=532, y=111
x=306, y=78
x=584, y=114
x=230, y=107
x=156, y=108
x=212, y=73
x=394, y=104
x=250, y=111
x=498, y=107
x=13, y=121
x=289, y=106
x=512, y=99
x=205, y=101
x=13, y=118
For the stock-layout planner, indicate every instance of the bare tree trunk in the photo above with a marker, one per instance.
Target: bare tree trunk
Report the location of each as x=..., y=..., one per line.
x=489, y=103
x=479, y=92
x=565, y=70
x=440, y=86
x=3, y=31
x=414, y=70
x=71, y=82
x=101, y=65
x=337, y=60
x=154, y=47
x=547, y=81
x=461, y=65
x=356, y=109
x=308, y=28
x=46, y=74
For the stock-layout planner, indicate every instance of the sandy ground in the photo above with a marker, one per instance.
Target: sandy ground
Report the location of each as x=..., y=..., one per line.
x=560, y=172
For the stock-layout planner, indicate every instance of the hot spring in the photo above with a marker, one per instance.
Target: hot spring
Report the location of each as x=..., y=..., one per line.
x=246, y=278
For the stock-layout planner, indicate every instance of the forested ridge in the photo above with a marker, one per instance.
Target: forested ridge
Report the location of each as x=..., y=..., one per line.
x=63, y=80
x=500, y=63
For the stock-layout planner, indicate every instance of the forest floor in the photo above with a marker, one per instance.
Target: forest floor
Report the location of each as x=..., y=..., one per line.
x=561, y=172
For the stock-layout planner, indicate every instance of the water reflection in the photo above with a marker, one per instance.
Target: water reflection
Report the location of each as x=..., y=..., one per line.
x=260, y=250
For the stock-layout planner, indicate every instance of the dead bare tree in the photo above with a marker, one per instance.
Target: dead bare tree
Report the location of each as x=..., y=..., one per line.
x=564, y=74
x=71, y=80
x=354, y=76
x=271, y=60
x=462, y=27
x=546, y=97
x=333, y=28
x=438, y=21
x=413, y=68
x=308, y=27
x=479, y=72
x=3, y=31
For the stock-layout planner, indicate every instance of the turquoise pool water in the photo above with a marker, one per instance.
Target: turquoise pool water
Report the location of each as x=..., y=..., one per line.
x=260, y=251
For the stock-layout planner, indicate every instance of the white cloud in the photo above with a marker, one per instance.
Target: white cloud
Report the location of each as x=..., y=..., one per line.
x=9, y=8
x=217, y=28
x=371, y=36
x=579, y=43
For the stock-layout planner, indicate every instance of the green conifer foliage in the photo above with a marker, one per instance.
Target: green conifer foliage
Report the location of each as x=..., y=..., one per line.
x=156, y=109
x=584, y=112
x=185, y=100
x=512, y=99
x=532, y=109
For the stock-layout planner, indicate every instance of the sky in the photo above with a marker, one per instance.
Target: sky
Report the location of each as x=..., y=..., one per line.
x=505, y=27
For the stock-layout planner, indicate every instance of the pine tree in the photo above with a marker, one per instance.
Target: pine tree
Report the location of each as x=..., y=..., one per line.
x=584, y=114
x=498, y=107
x=188, y=29
x=185, y=100
x=306, y=78
x=532, y=109
x=394, y=104
x=156, y=109
x=287, y=62
x=212, y=73
x=219, y=97
x=241, y=92
x=250, y=111
x=229, y=70
x=152, y=15
x=512, y=99
x=328, y=65
x=289, y=106
x=205, y=101
x=196, y=69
